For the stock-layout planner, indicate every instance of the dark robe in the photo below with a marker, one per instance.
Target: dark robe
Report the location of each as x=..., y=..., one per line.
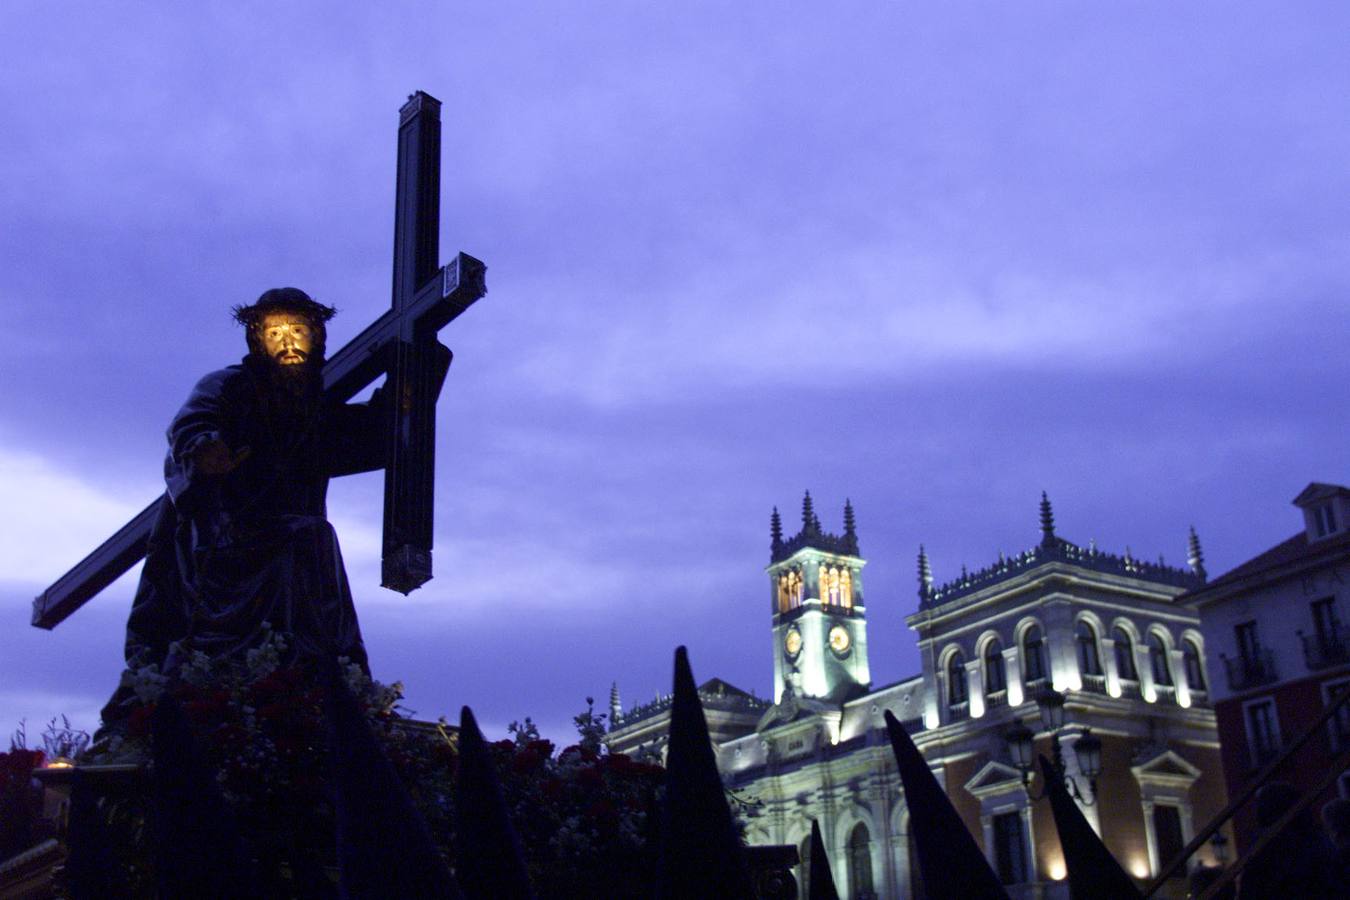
x=231, y=552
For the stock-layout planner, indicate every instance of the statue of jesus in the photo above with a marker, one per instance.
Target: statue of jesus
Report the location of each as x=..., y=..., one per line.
x=242, y=545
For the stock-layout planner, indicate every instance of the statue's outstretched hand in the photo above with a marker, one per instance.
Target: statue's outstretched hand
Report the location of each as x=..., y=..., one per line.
x=216, y=458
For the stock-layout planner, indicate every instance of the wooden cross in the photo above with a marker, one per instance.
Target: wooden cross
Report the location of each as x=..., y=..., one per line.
x=402, y=343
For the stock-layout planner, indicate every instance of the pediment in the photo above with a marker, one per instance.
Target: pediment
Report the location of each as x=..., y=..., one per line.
x=1317, y=492
x=1166, y=767
x=994, y=778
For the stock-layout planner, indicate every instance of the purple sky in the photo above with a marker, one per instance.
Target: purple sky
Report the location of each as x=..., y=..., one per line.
x=935, y=258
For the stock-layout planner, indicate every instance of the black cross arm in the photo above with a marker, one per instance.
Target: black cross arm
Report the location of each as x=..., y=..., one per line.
x=359, y=362
x=97, y=570
x=438, y=302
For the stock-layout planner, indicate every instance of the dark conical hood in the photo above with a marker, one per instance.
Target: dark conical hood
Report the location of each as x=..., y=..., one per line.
x=384, y=847
x=822, y=882
x=1093, y=871
x=91, y=869
x=700, y=852
x=951, y=863
x=491, y=863
x=199, y=851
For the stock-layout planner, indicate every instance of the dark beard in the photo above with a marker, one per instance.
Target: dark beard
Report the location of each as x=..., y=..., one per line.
x=291, y=395
x=300, y=380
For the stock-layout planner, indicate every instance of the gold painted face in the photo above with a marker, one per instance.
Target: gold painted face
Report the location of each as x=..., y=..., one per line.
x=287, y=338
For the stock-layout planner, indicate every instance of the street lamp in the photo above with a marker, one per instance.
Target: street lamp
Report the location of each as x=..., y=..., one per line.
x=1087, y=749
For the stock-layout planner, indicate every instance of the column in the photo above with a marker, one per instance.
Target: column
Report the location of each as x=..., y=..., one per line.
x=1013, y=667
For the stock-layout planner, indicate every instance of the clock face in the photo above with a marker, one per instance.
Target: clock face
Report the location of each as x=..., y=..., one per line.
x=839, y=640
x=793, y=642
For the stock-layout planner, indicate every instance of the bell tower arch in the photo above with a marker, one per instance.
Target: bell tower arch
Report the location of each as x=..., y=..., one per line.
x=816, y=602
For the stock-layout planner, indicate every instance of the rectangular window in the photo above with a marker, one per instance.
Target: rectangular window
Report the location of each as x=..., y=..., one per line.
x=1167, y=831
x=1325, y=518
x=1326, y=624
x=1010, y=848
x=1263, y=734
x=1247, y=644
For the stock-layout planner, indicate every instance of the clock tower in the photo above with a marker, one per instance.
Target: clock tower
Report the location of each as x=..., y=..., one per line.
x=819, y=621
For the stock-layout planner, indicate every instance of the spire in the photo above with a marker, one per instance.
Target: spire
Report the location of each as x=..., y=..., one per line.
x=809, y=521
x=775, y=530
x=1195, y=557
x=1047, y=522
x=850, y=528
x=615, y=707
x=925, y=577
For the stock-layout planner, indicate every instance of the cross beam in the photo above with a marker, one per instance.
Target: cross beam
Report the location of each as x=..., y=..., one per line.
x=401, y=344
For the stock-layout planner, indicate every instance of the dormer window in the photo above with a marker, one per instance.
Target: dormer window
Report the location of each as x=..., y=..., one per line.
x=1324, y=519
x=1325, y=509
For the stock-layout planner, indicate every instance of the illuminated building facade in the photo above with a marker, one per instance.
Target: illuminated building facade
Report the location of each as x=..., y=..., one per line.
x=1275, y=623
x=1105, y=630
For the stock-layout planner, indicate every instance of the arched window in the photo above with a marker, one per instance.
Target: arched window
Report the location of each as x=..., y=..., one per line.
x=1089, y=662
x=995, y=669
x=1124, y=654
x=829, y=586
x=1195, y=670
x=846, y=588
x=956, y=678
x=1033, y=655
x=794, y=589
x=1157, y=658
x=859, y=862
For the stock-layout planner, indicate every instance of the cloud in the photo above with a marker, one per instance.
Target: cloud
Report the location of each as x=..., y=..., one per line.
x=53, y=517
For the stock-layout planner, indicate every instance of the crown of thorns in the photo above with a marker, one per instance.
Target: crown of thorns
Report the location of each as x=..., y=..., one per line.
x=287, y=299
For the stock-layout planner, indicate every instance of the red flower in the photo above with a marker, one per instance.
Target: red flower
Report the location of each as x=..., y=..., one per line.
x=526, y=761
x=273, y=711
x=602, y=811
x=202, y=712
x=138, y=723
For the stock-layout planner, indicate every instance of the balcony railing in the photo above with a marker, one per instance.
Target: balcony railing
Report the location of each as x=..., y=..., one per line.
x=1165, y=693
x=996, y=698
x=1250, y=671
x=1096, y=684
x=1321, y=651
x=1129, y=689
x=959, y=711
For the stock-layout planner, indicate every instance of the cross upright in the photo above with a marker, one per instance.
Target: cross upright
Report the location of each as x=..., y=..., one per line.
x=401, y=344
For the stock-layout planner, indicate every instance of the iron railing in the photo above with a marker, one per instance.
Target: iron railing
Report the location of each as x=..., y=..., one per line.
x=1250, y=671
x=1321, y=651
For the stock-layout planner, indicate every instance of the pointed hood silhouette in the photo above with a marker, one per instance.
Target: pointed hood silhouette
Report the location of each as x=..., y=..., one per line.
x=199, y=851
x=384, y=847
x=952, y=865
x=822, y=882
x=1093, y=871
x=700, y=853
x=491, y=863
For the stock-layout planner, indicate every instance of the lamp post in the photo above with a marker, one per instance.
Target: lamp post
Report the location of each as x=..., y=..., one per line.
x=1087, y=749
